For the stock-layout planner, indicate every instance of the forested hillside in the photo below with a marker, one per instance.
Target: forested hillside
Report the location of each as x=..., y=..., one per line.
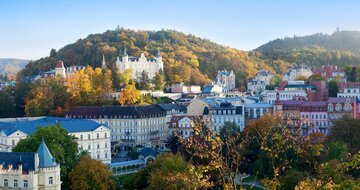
x=187, y=58
x=340, y=48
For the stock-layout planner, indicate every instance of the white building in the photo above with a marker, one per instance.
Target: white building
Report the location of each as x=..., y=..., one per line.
x=27, y=170
x=91, y=136
x=226, y=80
x=259, y=82
x=270, y=95
x=139, y=64
x=182, y=125
x=299, y=70
x=217, y=115
x=130, y=125
x=182, y=88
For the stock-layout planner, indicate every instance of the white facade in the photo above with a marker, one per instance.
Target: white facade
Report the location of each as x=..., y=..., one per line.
x=137, y=65
x=226, y=80
x=299, y=70
x=259, y=82
x=270, y=95
x=349, y=93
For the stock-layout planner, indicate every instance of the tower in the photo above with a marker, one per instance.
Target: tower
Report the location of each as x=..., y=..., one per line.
x=103, y=64
x=60, y=69
x=278, y=105
x=159, y=60
x=125, y=57
x=49, y=170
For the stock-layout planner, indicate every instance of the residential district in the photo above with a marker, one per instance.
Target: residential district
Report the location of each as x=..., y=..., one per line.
x=107, y=133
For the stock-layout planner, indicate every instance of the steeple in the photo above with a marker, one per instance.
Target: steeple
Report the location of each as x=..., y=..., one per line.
x=45, y=157
x=125, y=54
x=103, y=64
x=125, y=57
x=158, y=53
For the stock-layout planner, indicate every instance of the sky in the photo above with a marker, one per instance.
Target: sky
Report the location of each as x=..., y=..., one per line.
x=30, y=29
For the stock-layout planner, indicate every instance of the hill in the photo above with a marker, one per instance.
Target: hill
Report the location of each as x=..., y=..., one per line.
x=187, y=58
x=11, y=66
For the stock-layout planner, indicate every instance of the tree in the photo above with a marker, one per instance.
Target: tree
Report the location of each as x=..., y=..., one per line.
x=130, y=96
x=159, y=80
x=275, y=81
x=91, y=174
x=53, y=53
x=333, y=88
x=336, y=150
x=300, y=77
x=144, y=81
x=125, y=77
x=6, y=102
x=62, y=146
x=316, y=77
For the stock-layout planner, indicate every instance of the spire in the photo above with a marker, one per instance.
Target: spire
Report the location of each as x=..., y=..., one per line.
x=158, y=53
x=103, y=64
x=45, y=157
x=125, y=54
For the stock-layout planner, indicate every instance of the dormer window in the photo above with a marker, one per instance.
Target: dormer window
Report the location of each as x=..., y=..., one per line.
x=330, y=107
x=338, y=107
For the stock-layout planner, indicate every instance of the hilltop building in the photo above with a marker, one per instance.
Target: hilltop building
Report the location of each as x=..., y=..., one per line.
x=27, y=170
x=139, y=64
x=299, y=70
x=260, y=81
x=332, y=73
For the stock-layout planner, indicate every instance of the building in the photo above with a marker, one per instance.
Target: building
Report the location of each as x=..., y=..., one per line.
x=332, y=73
x=213, y=89
x=255, y=111
x=341, y=106
x=182, y=125
x=217, y=115
x=314, y=117
x=298, y=70
x=60, y=70
x=349, y=89
x=130, y=125
x=91, y=136
x=226, y=80
x=139, y=64
x=184, y=89
x=173, y=110
x=259, y=82
x=27, y=170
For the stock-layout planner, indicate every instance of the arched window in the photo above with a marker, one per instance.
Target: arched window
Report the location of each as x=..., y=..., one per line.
x=98, y=146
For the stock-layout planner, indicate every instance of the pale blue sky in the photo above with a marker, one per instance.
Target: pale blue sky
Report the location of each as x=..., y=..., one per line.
x=29, y=29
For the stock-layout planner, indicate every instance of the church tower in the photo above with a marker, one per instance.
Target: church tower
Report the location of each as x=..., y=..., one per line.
x=49, y=170
x=278, y=104
x=125, y=57
x=60, y=69
x=103, y=64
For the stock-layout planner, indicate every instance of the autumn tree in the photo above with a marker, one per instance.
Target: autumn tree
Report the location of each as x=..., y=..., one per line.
x=130, y=95
x=274, y=81
x=91, y=174
x=316, y=77
x=125, y=77
x=301, y=78
x=62, y=146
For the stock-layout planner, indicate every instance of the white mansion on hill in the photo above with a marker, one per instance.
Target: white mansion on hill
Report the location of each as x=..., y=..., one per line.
x=140, y=64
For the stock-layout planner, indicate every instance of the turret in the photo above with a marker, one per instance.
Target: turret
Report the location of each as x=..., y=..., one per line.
x=103, y=64
x=159, y=60
x=125, y=57
x=60, y=69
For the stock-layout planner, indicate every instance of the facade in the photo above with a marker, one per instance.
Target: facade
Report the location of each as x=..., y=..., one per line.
x=139, y=64
x=259, y=82
x=217, y=115
x=349, y=89
x=270, y=95
x=332, y=73
x=130, y=125
x=25, y=170
x=255, y=111
x=172, y=110
x=91, y=136
x=299, y=70
x=60, y=70
x=182, y=88
x=182, y=125
x=341, y=106
x=226, y=80
x=213, y=89
x=314, y=117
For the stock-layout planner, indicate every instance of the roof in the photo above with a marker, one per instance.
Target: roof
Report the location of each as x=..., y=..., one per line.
x=145, y=152
x=207, y=89
x=313, y=103
x=169, y=107
x=259, y=105
x=117, y=111
x=59, y=64
x=127, y=163
x=27, y=159
x=264, y=72
x=29, y=125
x=45, y=157
x=225, y=73
x=340, y=99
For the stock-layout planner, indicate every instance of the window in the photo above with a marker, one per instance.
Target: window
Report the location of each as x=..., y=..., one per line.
x=50, y=180
x=26, y=183
x=88, y=136
x=98, y=156
x=15, y=183
x=6, y=183
x=97, y=135
x=89, y=147
x=105, y=145
x=98, y=146
x=13, y=142
x=105, y=154
x=81, y=137
x=105, y=135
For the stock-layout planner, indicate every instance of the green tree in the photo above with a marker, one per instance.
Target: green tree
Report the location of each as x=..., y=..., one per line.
x=316, y=77
x=336, y=150
x=144, y=81
x=62, y=146
x=91, y=174
x=275, y=81
x=333, y=88
x=159, y=80
x=6, y=102
x=53, y=53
